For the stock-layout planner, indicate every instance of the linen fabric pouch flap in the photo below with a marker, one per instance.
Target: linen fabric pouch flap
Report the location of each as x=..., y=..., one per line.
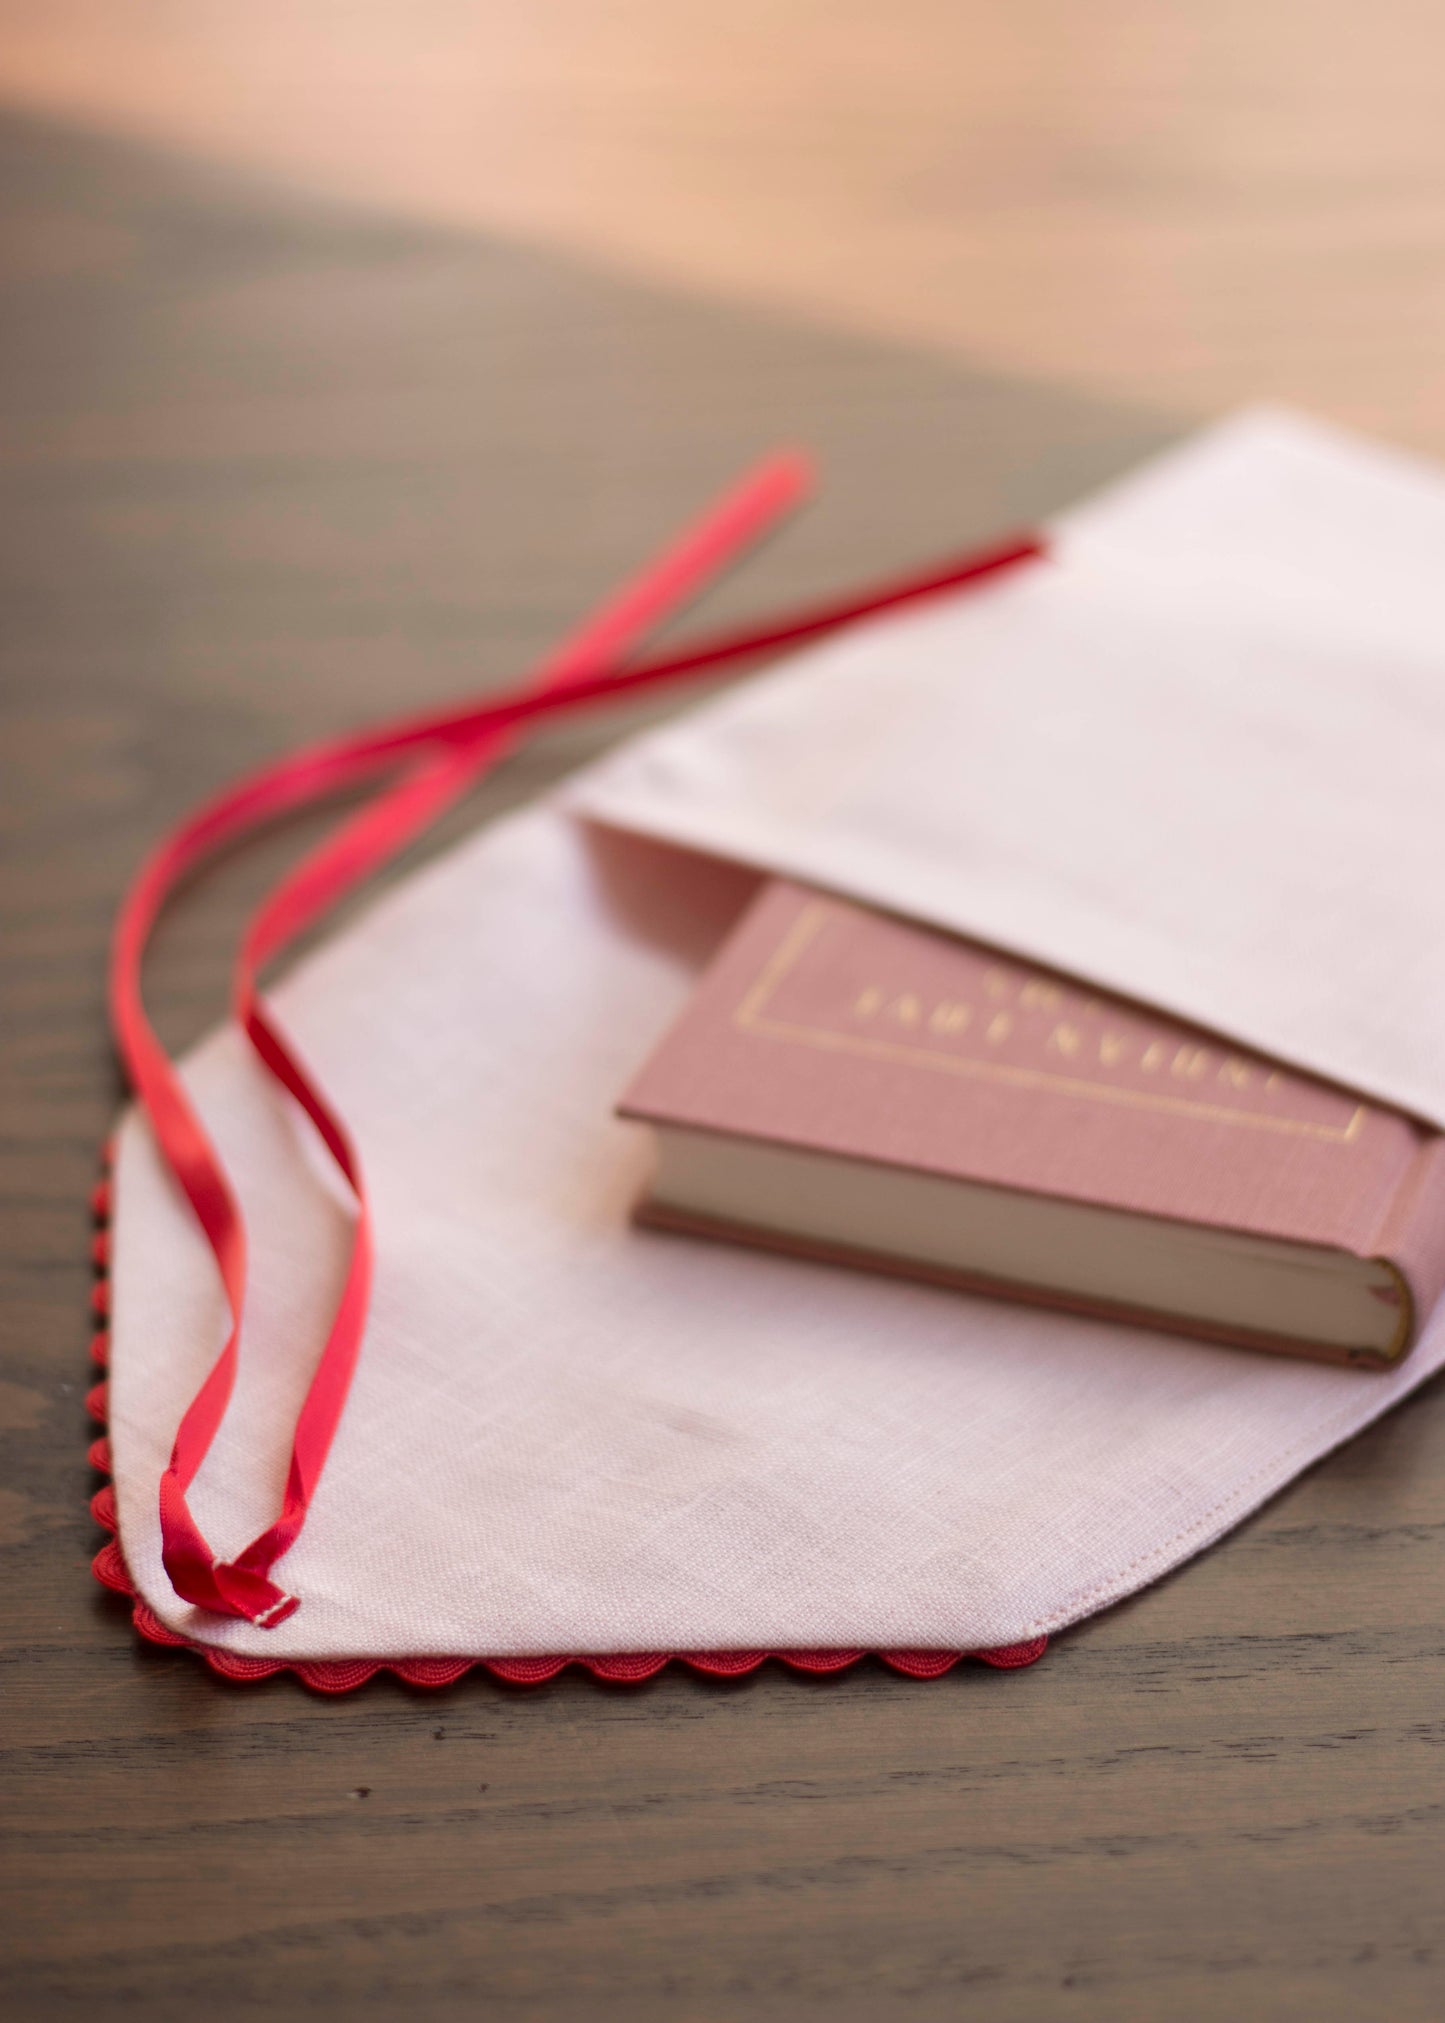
x=1193, y=758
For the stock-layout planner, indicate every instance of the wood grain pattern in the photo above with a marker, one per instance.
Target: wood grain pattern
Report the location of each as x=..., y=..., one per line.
x=269, y=466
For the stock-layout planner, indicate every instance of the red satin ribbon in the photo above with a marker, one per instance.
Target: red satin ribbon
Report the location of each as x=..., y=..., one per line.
x=455, y=746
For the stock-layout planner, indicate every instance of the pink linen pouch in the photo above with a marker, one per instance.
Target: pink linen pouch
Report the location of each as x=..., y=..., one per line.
x=1194, y=759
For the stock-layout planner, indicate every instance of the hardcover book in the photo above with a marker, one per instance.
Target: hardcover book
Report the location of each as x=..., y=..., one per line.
x=853, y=1087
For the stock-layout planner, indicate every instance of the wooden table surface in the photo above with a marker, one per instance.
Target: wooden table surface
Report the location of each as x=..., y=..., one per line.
x=271, y=464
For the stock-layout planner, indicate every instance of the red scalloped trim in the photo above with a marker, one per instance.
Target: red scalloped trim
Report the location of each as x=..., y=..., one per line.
x=344, y=1675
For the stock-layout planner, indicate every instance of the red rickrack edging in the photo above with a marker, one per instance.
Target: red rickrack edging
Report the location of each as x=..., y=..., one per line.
x=344, y=1675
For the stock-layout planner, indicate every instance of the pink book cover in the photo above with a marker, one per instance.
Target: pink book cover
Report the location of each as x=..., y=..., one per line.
x=826, y=1026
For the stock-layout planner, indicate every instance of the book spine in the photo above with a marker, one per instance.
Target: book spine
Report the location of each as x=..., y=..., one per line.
x=1412, y=1237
